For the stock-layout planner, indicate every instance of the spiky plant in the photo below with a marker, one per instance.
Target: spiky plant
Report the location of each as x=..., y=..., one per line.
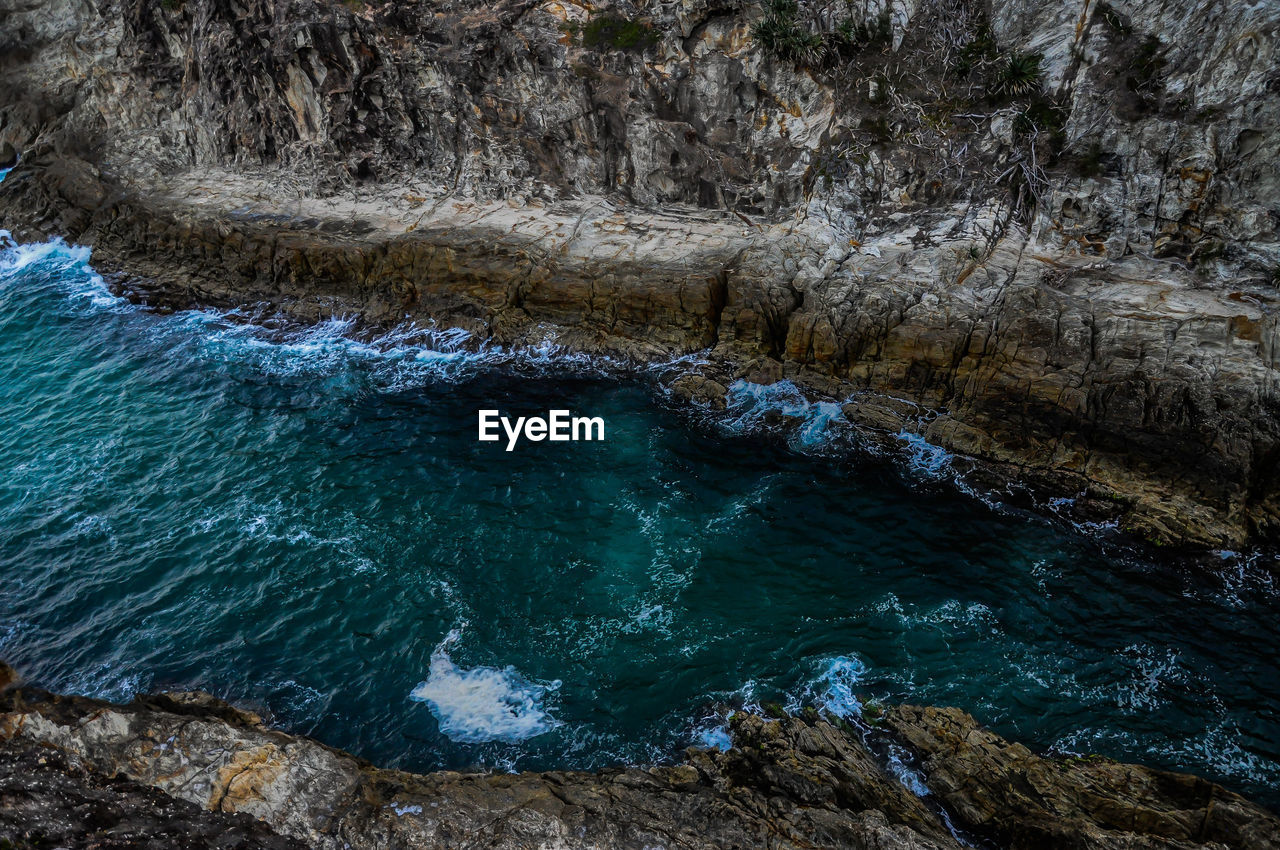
x=854, y=35
x=1018, y=76
x=780, y=34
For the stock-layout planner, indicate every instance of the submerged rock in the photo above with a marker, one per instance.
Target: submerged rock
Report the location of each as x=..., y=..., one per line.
x=73, y=770
x=700, y=389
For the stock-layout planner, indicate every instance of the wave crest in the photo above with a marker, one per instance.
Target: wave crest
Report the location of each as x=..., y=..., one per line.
x=482, y=704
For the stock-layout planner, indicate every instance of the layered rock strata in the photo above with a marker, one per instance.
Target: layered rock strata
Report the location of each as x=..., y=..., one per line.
x=1040, y=236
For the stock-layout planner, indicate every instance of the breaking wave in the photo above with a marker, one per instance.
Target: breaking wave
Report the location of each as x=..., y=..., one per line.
x=483, y=704
x=833, y=688
x=923, y=457
x=58, y=264
x=337, y=351
x=753, y=406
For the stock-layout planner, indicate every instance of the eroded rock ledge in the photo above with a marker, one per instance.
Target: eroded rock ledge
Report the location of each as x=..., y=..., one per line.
x=1143, y=396
x=1073, y=283
x=188, y=769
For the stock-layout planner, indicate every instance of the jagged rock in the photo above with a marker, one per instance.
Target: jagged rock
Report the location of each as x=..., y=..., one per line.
x=1028, y=801
x=191, y=765
x=700, y=389
x=791, y=784
x=48, y=800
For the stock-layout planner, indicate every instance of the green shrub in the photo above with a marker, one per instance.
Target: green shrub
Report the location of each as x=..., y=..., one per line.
x=981, y=47
x=1041, y=116
x=1044, y=123
x=780, y=34
x=853, y=35
x=774, y=710
x=1018, y=76
x=783, y=35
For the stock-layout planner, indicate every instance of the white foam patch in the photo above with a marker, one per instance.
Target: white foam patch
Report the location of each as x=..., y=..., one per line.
x=715, y=737
x=403, y=809
x=833, y=689
x=712, y=730
x=750, y=404
x=12, y=630
x=650, y=618
x=483, y=704
x=299, y=700
x=336, y=350
x=104, y=681
x=923, y=457
x=910, y=778
x=93, y=527
x=64, y=266
x=1246, y=576
x=1154, y=672
x=407, y=357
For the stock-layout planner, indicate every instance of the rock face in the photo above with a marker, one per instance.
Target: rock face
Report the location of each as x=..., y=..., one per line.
x=800, y=785
x=1043, y=236
x=1026, y=801
x=86, y=773
x=48, y=801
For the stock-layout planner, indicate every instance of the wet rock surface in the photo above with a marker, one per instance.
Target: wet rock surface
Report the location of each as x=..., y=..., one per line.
x=86, y=773
x=1025, y=800
x=1040, y=236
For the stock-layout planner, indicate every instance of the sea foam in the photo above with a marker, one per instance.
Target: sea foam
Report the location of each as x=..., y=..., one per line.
x=924, y=457
x=336, y=350
x=750, y=404
x=57, y=261
x=483, y=704
x=833, y=689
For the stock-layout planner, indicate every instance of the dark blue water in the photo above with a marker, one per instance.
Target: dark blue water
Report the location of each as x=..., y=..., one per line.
x=307, y=522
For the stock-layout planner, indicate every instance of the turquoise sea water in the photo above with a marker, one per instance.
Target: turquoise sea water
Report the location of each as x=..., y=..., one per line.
x=304, y=521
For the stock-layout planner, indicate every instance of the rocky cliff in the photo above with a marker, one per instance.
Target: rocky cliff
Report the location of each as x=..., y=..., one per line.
x=1042, y=235
x=189, y=770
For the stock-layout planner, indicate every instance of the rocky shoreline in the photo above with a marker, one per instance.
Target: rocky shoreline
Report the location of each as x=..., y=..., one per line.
x=575, y=275
x=847, y=225
x=1045, y=237
x=186, y=769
